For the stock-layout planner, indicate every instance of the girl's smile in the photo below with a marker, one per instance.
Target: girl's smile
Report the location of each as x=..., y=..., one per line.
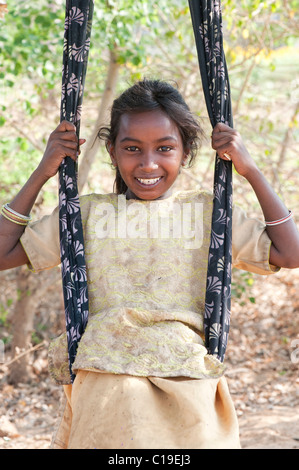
x=148, y=152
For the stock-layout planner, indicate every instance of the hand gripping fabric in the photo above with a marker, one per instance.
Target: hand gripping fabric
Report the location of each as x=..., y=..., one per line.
x=207, y=25
x=78, y=21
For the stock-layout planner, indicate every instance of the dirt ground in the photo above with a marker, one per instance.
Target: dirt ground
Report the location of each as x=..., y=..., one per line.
x=262, y=371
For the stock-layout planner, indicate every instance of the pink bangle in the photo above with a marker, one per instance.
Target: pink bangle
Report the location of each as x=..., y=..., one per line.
x=280, y=221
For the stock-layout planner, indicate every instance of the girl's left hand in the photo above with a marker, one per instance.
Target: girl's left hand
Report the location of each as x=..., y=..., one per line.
x=227, y=141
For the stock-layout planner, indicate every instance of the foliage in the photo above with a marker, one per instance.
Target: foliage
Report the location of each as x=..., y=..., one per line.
x=31, y=41
x=241, y=287
x=153, y=39
x=4, y=311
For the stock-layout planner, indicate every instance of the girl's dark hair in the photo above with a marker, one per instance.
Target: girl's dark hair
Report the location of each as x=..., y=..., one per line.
x=149, y=95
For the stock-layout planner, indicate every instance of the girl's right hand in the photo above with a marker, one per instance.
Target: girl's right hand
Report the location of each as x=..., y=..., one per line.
x=63, y=142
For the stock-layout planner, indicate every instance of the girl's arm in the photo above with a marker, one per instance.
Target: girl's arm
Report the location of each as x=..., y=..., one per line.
x=284, y=251
x=62, y=142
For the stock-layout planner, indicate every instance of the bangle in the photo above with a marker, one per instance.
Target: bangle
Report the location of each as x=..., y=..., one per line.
x=25, y=218
x=14, y=216
x=280, y=221
x=11, y=219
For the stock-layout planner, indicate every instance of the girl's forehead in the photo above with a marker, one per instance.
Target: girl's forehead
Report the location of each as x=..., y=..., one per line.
x=156, y=121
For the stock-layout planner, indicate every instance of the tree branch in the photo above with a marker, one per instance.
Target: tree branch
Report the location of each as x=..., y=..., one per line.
x=93, y=142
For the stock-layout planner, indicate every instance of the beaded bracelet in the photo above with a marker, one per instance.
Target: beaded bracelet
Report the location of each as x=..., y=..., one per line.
x=280, y=221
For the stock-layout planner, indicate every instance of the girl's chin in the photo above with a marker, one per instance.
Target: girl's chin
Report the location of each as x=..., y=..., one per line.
x=147, y=193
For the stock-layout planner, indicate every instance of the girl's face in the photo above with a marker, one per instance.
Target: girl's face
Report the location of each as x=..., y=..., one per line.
x=148, y=152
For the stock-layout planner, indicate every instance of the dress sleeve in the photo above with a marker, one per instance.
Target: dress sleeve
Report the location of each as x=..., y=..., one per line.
x=250, y=244
x=40, y=241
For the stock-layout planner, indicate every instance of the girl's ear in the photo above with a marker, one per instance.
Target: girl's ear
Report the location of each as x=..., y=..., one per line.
x=186, y=155
x=110, y=149
x=184, y=159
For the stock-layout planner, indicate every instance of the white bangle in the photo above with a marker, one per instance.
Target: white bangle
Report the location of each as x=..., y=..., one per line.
x=280, y=221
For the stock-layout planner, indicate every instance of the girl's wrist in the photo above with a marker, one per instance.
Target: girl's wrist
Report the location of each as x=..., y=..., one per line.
x=39, y=177
x=252, y=173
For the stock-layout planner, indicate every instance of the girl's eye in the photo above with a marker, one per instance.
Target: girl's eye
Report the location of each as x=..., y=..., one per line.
x=132, y=148
x=165, y=148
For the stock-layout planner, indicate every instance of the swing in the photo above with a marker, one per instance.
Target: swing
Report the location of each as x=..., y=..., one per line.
x=207, y=26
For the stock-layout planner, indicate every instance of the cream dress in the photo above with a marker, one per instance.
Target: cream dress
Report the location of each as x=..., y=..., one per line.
x=144, y=379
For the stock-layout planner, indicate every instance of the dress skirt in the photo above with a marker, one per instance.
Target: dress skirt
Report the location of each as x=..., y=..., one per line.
x=109, y=411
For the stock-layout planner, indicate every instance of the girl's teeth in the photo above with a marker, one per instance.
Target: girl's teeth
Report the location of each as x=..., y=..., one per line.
x=148, y=181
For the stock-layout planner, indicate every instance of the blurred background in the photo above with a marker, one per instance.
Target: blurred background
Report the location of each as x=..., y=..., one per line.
x=154, y=39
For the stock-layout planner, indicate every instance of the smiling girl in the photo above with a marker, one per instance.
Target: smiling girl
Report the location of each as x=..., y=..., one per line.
x=144, y=378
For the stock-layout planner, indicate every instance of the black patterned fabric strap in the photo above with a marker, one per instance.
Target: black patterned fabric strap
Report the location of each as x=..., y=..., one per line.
x=78, y=21
x=207, y=25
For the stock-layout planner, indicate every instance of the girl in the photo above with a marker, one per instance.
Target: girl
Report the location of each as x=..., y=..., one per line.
x=143, y=376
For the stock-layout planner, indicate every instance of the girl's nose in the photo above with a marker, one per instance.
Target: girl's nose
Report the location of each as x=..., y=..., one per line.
x=148, y=163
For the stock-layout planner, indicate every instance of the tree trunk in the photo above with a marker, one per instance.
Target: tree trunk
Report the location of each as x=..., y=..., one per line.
x=32, y=288
x=23, y=325
x=93, y=143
